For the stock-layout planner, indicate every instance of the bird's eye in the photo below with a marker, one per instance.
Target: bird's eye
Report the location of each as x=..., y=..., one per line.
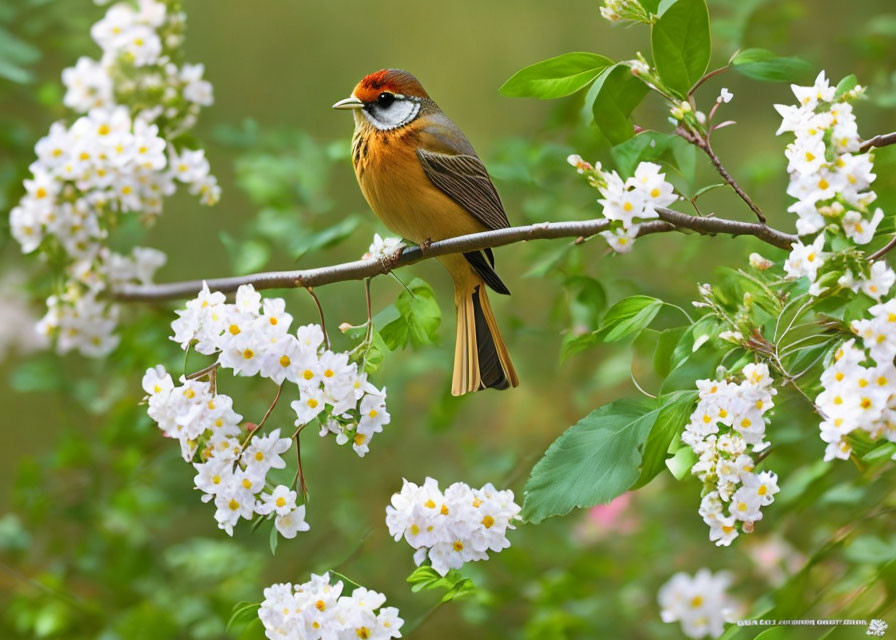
x=385, y=99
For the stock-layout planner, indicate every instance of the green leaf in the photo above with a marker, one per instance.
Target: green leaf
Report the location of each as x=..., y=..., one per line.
x=573, y=344
x=649, y=146
x=347, y=581
x=243, y=613
x=16, y=56
x=612, y=97
x=273, y=539
x=680, y=41
x=628, y=317
x=847, y=84
x=592, y=462
x=556, y=77
x=418, y=318
x=324, y=238
x=425, y=578
x=680, y=464
x=247, y=256
x=670, y=422
x=761, y=64
x=41, y=373
x=662, y=358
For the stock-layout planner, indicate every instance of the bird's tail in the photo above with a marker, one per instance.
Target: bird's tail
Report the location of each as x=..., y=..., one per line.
x=481, y=360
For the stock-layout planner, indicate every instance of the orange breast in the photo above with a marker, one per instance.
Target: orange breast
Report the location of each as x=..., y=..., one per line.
x=399, y=192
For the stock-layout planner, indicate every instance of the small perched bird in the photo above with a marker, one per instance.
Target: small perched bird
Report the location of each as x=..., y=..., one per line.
x=422, y=178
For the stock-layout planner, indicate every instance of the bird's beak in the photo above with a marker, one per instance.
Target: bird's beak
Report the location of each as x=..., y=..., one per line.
x=349, y=103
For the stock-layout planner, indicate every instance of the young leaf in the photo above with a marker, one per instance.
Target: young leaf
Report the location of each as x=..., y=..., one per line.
x=415, y=320
x=680, y=41
x=628, y=317
x=669, y=424
x=243, y=612
x=612, y=97
x=680, y=464
x=555, y=77
x=573, y=344
x=847, y=84
x=592, y=462
x=761, y=64
x=273, y=539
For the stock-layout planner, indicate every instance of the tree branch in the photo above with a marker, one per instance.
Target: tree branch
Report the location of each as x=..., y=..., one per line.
x=878, y=141
x=360, y=269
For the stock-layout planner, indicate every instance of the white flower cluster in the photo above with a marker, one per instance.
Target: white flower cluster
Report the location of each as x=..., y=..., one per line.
x=382, y=247
x=317, y=609
x=700, y=602
x=451, y=528
x=859, y=386
x=831, y=181
x=726, y=428
x=252, y=337
x=627, y=203
x=115, y=159
x=231, y=473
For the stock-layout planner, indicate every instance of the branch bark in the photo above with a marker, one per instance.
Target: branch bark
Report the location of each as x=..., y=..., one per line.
x=358, y=270
x=878, y=141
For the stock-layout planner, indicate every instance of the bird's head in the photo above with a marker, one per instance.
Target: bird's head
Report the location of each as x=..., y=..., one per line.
x=388, y=99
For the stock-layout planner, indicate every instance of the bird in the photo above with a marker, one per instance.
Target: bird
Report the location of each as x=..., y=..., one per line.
x=424, y=181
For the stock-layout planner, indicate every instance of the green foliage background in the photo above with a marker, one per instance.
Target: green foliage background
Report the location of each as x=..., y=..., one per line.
x=102, y=535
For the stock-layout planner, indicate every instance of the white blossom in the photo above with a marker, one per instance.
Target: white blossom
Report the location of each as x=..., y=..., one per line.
x=318, y=609
x=451, y=528
x=700, y=603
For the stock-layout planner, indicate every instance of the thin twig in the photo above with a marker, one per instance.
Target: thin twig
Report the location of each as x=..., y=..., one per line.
x=878, y=141
x=299, y=479
x=258, y=427
x=207, y=370
x=369, y=333
x=880, y=253
x=702, y=143
x=320, y=310
x=671, y=221
x=706, y=77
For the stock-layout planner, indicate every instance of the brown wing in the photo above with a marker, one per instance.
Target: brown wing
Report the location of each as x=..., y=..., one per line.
x=464, y=179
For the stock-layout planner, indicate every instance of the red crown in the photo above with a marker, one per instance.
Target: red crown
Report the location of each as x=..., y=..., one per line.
x=391, y=80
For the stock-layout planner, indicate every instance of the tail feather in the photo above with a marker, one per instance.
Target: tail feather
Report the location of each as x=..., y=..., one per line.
x=481, y=360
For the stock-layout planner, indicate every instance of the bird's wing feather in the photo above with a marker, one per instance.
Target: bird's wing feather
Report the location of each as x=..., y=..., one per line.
x=464, y=179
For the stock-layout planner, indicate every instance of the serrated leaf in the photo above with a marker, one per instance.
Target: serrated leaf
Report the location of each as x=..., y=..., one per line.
x=761, y=64
x=556, y=77
x=680, y=41
x=612, y=98
x=592, y=462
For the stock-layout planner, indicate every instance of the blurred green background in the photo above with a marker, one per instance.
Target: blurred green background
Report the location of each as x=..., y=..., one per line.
x=103, y=536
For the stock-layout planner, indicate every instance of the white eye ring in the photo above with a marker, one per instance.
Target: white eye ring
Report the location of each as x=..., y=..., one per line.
x=400, y=112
